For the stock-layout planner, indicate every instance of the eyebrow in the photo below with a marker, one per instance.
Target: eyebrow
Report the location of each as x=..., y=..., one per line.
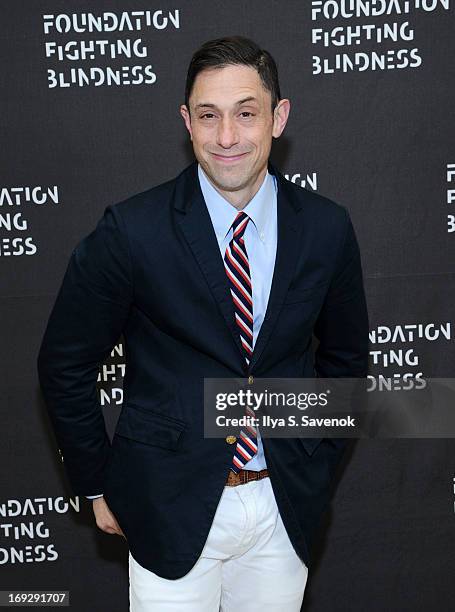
x=239, y=103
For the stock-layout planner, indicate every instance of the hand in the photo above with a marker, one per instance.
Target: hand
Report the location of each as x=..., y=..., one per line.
x=105, y=520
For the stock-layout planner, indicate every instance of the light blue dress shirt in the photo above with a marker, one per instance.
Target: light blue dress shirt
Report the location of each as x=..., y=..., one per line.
x=260, y=242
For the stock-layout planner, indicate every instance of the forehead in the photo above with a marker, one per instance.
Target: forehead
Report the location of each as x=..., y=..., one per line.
x=228, y=85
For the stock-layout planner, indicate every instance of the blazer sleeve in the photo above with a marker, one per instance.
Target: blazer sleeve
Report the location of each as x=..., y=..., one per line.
x=342, y=326
x=86, y=321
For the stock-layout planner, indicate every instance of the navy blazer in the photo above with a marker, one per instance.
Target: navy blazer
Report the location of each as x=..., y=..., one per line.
x=152, y=271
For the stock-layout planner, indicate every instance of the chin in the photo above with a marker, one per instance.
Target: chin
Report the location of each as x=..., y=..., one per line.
x=231, y=185
x=231, y=180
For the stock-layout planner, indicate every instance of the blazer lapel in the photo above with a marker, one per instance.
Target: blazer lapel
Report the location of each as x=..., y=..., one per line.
x=200, y=235
x=285, y=261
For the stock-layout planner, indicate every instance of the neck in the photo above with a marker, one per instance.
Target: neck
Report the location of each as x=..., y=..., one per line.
x=239, y=199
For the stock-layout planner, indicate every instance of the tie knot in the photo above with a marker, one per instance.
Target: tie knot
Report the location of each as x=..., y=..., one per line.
x=239, y=224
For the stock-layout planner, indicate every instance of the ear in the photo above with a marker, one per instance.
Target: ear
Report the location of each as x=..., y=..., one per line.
x=186, y=118
x=280, y=117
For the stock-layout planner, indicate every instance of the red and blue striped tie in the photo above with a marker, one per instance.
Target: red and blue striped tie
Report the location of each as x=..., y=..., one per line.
x=238, y=272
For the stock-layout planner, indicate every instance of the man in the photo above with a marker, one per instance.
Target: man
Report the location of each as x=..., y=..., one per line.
x=226, y=271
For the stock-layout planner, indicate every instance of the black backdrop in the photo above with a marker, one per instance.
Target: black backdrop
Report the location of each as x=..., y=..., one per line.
x=371, y=126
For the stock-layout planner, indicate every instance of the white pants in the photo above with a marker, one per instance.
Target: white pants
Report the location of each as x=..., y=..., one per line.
x=248, y=563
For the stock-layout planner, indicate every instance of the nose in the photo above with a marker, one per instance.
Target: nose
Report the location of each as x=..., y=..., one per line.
x=227, y=135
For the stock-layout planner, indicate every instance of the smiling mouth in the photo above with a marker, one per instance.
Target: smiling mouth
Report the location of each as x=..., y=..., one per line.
x=228, y=158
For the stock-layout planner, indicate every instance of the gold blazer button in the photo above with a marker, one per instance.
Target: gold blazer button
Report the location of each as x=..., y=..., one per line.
x=250, y=379
x=231, y=439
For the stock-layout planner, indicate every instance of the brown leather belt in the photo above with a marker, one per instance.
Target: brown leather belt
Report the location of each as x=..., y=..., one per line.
x=245, y=476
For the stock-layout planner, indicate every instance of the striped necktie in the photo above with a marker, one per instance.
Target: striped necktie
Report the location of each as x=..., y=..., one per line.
x=238, y=273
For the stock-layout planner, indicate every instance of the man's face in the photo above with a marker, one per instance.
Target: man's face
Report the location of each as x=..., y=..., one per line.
x=231, y=125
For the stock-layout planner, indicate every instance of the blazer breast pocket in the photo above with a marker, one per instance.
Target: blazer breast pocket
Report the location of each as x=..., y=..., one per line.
x=304, y=294
x=150, y=427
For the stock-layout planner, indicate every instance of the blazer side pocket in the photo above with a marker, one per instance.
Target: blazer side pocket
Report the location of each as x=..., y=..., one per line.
x=149, y=427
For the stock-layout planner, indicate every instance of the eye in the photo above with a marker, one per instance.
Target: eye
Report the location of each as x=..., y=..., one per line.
x=207, y=116
x=246, y=114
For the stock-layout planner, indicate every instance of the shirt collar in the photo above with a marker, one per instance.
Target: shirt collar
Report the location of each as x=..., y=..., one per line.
x=222, y=213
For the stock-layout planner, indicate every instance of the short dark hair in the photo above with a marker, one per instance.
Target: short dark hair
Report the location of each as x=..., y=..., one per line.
x=231, y=51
